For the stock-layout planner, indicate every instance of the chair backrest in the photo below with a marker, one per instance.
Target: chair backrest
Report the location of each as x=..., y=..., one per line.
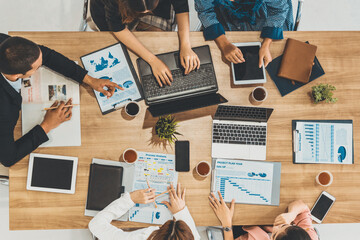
x=298, y=14
x=4, y=175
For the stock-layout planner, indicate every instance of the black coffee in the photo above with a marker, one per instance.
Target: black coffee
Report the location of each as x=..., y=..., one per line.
x=132, y=109
x=259, y=94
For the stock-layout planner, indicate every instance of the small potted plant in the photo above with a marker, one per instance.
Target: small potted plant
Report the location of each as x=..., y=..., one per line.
x=165, y=128
x=323, y=92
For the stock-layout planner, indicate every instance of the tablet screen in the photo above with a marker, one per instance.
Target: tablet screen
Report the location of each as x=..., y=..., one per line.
x=52, y=173
x=249, y=70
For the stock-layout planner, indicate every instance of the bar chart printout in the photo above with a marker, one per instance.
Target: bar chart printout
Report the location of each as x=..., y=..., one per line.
x=324, y=143
x=245, y=181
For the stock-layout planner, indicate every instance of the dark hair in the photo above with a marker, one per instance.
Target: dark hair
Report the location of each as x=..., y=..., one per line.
x=17, y=54
x=133, y=9
x=172, y=230
x=293, y=233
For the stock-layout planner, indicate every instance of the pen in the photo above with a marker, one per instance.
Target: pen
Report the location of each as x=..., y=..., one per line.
x=64, y=106
x=162, y=193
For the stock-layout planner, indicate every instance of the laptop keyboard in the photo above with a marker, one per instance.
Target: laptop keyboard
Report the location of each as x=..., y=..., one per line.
x=239, y=134
x=240, y=112
x=196, y=81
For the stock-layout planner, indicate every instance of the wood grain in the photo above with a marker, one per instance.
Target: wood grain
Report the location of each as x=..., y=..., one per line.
x=107, y=136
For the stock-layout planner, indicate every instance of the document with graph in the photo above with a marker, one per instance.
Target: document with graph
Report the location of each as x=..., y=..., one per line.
x=113, y=63
x=328, y=142
x=248, y=182
x=159, y=170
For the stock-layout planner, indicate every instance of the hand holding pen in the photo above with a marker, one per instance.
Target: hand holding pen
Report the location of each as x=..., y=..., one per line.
x=58, y=113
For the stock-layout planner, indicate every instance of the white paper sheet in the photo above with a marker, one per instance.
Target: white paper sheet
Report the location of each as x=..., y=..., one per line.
x=324, y=143
x=159, y=169
x=41, y=91
x=245, y=181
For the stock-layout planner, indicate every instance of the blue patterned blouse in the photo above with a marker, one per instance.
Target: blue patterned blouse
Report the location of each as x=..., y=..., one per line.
x=271, y=17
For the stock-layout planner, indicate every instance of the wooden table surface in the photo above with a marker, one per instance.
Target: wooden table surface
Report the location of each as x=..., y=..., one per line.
x=107, y=136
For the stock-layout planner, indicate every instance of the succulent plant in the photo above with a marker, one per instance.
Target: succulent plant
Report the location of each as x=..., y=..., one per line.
x=323, y=92
x=165, y=128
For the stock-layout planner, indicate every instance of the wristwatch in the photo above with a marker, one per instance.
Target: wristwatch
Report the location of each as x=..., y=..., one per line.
x=227, y=229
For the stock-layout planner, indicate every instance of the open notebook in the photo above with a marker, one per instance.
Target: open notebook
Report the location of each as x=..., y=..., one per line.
x=41, y=91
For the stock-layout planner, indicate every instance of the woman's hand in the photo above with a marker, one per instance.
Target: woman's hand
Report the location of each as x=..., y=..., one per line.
x=189, y=60
x=222, y=211
x=143, y=196
x=177, y=199
x=284, y=218
x=161, y=72
x=264, y=53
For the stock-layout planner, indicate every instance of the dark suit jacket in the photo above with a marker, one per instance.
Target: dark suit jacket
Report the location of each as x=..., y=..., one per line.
x=10, y=104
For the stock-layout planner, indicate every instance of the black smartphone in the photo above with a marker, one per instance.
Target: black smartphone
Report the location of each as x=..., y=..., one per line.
x=182, y=156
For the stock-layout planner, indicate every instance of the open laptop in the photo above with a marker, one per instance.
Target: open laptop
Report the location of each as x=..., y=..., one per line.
x=195, y=90
x=240, y=132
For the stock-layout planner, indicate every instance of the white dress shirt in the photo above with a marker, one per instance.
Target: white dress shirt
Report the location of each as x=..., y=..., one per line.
x=101, y=226
x=16, y=85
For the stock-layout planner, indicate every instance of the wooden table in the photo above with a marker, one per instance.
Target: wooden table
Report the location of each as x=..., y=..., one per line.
x=107, y=136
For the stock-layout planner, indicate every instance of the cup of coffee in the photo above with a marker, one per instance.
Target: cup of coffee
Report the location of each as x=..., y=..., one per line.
x=324, y=178
x=132, y=109
x=203, y=168
x=259, y=94
x=130, y=156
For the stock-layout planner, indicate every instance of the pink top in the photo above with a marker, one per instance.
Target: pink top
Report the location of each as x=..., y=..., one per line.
x=302, y=220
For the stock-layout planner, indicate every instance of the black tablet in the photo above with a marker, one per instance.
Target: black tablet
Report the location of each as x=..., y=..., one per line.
x=52, y=173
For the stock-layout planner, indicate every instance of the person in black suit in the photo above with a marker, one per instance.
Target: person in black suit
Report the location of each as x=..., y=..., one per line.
x=20, y=58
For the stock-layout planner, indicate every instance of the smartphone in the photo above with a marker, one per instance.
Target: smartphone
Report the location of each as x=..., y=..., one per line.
x=182, y=156
x=322, y=206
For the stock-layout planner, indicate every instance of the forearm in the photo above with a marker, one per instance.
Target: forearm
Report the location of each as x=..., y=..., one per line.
x=183, y=29
x=297, y=207
x=131, y=42
x=221, y=41
x=267, y=42
x=228, y=235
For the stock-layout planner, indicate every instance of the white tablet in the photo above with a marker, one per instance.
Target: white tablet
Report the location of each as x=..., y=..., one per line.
x=51, y=173
x=248, y=72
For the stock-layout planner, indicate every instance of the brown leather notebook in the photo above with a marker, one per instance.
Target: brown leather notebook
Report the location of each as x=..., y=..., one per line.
x=297, y=61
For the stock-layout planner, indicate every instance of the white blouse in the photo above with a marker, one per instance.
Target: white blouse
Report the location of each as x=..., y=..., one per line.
x=102, y=228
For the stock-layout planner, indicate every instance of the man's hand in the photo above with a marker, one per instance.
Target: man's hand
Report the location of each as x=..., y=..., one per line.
x=189, y=60
x=222, y=211
x=177, y=199
x=161, y=72
x=143, y=196
x=264, y=53
x=229, y=51
x=99, y=84
x=54, y=117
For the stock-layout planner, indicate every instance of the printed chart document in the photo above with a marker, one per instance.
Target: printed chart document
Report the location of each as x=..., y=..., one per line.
x=248, y=182
x=323, y=142
x=41, y=91
x=113, y=63
x=159, y=169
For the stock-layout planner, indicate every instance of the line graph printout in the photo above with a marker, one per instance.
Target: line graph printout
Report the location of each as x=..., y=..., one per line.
x=324, y=143
x=111, y=63
x=245, y=181
x=159, y=169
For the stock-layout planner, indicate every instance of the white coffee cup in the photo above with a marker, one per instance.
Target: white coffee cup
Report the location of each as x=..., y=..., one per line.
x=259, y=94
x=132, y=109
x=324, y=176
x=130, y=156
x=204, y=165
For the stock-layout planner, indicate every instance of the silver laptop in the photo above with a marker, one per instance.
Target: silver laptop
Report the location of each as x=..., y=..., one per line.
x=240, y=132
